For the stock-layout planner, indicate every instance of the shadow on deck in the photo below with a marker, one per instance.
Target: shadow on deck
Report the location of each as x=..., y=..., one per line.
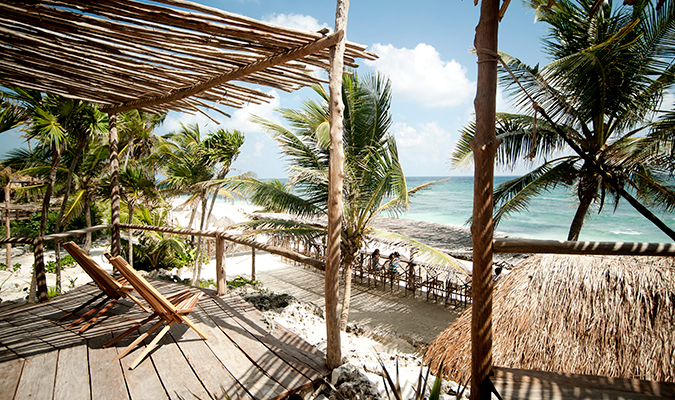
x=243, y=358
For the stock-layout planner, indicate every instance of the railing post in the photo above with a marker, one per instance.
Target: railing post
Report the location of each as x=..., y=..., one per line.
x=8, y=257
x=252, y=263
x=39, y=272
x=220, y=265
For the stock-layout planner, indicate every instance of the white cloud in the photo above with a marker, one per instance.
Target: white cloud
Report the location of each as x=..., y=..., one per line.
x=421, y=76
x=295, y=21
x=424, y=148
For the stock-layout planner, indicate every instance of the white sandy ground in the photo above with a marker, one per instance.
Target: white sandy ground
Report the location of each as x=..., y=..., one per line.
x=358, y=349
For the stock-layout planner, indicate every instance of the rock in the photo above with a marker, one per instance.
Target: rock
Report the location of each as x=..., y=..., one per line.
x=352, y=384
x=270, y=301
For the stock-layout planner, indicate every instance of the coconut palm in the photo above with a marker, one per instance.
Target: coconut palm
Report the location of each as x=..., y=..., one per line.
x=587, y=113
x=136, y=129
x=188, y=168
x=136, y=187
x=90, y=178
x=223, y=147
x=373, y=180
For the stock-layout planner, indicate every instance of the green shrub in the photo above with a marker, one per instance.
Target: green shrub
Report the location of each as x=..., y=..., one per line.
x=30, y=228
x=205, y=283
x=240, y=281
x=68, y=261
x=53, y=292
x=3, y=266
x=50, y=267
x=16, y=267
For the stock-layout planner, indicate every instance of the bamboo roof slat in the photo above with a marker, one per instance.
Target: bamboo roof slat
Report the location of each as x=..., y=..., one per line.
x=151, y=55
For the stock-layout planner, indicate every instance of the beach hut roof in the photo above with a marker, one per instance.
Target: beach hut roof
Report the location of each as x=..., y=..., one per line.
x=598, y=315
x=156, y=55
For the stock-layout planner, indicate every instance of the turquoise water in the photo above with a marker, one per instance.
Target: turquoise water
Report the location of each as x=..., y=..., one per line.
x=549, y=216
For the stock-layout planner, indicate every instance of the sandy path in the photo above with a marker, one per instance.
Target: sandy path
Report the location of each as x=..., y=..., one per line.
x=382, y=312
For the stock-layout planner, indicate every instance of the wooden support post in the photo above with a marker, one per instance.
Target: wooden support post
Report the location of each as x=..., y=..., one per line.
x=116, y=243
x=484, y=146
x=335, y=173
x=220, y=265
x=253, y=263
x=40, y=276
x=8, y=247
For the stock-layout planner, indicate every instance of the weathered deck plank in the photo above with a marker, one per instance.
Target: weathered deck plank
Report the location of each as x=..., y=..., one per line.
x=260, y=355
x=42, y=358
x=72, y=374
x=37, y=378
x=215, y=377
x=516, y=384
x=244, y=371
x=10, y=373
x=174, y=371
x=107, y=380
x=143, y=382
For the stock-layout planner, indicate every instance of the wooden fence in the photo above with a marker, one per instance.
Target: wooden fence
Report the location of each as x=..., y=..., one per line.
x=436, y=283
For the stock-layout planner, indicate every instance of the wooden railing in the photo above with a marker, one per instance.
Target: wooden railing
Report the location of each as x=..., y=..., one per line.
x=220, y=239
x=432, y=280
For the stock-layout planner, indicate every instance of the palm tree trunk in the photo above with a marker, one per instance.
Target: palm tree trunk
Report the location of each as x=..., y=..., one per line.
x=484, y=146
x=610, y=179
x=578, y=221
x=198, y=262
x=87, y=219
x=39, y=272
x=132, y=207
x=346, y=299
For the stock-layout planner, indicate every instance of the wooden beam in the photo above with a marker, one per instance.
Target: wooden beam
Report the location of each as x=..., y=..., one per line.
x=484, y=146
x=301, y=258
x=524, y=246
x=335, y=173
x=238, y=73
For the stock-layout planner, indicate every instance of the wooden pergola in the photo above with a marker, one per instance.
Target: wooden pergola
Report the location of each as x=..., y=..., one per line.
x=175, y=55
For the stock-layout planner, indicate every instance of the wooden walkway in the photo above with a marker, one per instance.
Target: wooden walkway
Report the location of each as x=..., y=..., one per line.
x=41, y=359
x=520, y=384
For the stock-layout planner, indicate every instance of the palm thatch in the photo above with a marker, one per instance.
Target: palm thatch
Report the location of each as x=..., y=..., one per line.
x=598, y=315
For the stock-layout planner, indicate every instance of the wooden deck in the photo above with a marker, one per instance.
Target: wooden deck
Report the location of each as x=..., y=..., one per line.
x=520, y=384
x=243, y=357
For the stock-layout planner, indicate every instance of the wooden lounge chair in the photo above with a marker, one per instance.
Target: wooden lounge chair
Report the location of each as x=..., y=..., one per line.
x=110, y=287
x=170, y=310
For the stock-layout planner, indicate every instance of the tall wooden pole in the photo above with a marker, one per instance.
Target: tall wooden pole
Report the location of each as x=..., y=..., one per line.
x=484, y=146
x=116, y=243
x=221, y=282
x=335, y=173
x=8, y=247
x=253, y=264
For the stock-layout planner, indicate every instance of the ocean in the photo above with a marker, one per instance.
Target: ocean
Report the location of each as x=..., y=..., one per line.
x=549, y=216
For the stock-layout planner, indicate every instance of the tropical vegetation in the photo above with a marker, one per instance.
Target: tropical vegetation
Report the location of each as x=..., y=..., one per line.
x=589, y=120
x=374, y=181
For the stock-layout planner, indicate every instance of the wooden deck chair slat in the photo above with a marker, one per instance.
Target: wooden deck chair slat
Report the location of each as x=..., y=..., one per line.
x=170, y=310
x=112, y=288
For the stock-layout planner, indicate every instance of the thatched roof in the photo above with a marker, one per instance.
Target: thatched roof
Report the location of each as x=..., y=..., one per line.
x=599, y=315
x=156, y=55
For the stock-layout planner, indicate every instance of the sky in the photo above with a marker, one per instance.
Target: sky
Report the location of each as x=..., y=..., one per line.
x=423, y=47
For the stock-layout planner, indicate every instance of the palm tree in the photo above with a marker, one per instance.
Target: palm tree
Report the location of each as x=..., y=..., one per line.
x=597, y=98
x=136, y=187
x=136, y=129
x=373, y=182
x=223, y=147
x=48, y=116
x=90, y=187
x=189, y=168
